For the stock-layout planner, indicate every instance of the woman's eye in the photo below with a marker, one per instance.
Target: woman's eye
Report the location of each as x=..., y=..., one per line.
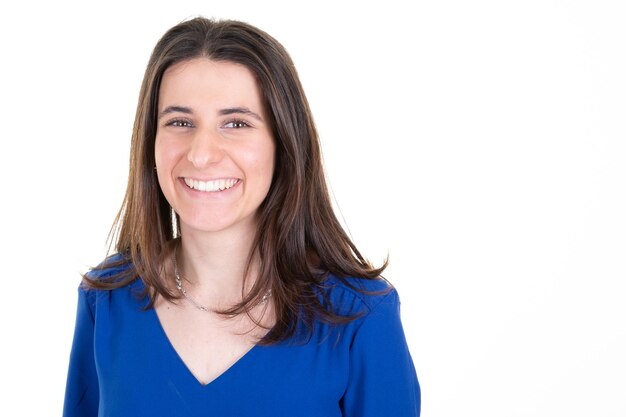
x=179, y=123
x=236, y=124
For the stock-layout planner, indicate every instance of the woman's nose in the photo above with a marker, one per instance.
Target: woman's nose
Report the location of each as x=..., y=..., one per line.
x=205, y=149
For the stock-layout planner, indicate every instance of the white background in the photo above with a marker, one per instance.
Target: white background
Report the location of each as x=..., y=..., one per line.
x=480, y=143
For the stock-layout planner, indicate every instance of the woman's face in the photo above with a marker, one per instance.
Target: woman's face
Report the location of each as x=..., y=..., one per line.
x=214, y=147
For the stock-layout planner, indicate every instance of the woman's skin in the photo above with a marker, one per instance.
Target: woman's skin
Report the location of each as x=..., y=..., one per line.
x=215, y=159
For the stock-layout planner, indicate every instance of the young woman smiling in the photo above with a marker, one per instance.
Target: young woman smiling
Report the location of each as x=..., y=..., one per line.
x=234, y=291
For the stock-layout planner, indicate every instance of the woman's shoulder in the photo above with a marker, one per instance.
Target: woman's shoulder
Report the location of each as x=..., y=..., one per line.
x=350, y=295
x=111, y=273
x=112, y=279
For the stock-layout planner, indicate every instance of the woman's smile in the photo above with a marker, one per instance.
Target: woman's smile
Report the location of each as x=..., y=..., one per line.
x=211, y=186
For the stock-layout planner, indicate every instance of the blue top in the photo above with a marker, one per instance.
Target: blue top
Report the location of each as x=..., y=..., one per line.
x=122, y=364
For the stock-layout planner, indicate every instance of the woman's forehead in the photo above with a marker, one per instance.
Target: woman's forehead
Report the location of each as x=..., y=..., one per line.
x=208, y=84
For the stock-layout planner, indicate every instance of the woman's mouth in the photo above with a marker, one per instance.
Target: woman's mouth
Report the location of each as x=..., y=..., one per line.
x=211, y=186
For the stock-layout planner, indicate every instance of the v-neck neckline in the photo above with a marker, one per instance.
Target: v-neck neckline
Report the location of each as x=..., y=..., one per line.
x=241, y=361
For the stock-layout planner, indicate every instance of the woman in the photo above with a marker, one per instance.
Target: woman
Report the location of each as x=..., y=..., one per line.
x=234, y=290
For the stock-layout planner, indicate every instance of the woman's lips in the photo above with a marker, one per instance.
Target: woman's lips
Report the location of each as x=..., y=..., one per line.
x=211, y=186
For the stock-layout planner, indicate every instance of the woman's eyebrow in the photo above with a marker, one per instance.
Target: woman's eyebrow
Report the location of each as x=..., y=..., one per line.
x=174, y=109
x=240, y=110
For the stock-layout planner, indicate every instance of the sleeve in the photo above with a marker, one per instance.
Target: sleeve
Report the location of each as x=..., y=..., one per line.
x=382, y=378
x=81, y=391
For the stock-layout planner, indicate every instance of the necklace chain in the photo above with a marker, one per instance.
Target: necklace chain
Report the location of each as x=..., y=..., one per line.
x=183, y=291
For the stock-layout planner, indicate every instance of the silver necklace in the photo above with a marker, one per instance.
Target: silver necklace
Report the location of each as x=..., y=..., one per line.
x=183, y=291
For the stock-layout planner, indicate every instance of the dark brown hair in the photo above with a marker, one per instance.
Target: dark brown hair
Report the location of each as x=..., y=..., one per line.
x=299, y=239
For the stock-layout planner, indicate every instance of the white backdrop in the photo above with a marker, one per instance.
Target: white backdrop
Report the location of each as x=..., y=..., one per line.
x=481, y=144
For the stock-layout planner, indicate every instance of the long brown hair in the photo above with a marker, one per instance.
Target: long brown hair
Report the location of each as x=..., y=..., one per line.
x=299, y=239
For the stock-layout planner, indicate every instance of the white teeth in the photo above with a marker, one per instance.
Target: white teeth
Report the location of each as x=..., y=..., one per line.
x=211, y=186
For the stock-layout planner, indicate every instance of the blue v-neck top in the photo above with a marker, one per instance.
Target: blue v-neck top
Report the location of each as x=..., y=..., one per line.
x=122, y=364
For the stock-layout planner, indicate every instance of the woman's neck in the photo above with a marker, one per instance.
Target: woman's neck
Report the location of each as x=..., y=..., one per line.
x=214, y=264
